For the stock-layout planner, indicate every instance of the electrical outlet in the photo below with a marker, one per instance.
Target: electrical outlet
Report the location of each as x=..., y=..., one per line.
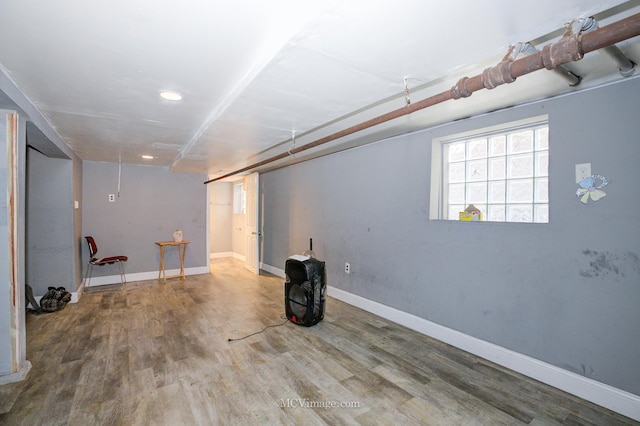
x=112, y=198
x=347, y=268
x=583, y=171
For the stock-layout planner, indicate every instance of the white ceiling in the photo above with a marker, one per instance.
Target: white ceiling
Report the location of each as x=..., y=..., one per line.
x=254, y=72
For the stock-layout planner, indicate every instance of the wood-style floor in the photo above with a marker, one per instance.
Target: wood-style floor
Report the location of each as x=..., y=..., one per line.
x=159, y=354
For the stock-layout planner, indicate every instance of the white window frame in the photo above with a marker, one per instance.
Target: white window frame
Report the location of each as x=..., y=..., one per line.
x=439, y=185
x=239, y=198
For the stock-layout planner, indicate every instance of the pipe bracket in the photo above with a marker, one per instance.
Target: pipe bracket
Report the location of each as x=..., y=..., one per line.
x=567, y=49
x=495, y=76
x=407, y=97
x=460, y=89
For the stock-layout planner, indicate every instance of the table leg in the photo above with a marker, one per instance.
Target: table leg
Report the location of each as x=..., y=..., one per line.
x=161, y=271
x=182, y=253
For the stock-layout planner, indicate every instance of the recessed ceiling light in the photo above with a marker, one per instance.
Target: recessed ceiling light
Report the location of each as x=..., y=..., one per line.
x=147, y=157
x=170, y=96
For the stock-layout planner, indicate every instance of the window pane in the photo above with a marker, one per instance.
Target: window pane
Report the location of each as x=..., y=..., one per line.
x=497, y=192
x=483, y=210
x=497, y=168
x=477, y=170
x=477, y=149
x=456, y=193
x=454, y=211
x=542, y=163
x=496, y=213
x=542, y=190
x=238, y=198
x=521, y=142
x=497, y=145
x=477, y=193
x=542, y=213
x=520, y=166
x=456, y=172
x=542, y=138
x=456, y=151
x=520, y=191
x=520, y=213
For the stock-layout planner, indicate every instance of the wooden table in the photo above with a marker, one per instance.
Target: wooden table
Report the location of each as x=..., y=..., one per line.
x=182, y=249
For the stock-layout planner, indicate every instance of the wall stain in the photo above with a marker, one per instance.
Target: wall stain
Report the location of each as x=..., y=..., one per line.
x=591, y=371
x=605, y=263
x=583, y=370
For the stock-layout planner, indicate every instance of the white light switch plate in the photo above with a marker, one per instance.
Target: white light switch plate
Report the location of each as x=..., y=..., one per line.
x=583, y=171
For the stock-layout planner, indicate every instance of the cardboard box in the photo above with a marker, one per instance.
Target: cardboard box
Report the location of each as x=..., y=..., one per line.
x=470, y=214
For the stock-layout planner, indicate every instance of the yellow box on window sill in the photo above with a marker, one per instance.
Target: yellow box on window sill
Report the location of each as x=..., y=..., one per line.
x=470, y=214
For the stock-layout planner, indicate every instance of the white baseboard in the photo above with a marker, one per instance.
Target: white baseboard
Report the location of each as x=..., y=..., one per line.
x=599, y=393
x=221, y=254
x=76, y=295
x=240, y=257
x=18, y=376
x=272, y=270
x=142, y=276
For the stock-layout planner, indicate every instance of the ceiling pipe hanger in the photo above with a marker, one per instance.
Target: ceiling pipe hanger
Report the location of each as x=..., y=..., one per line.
x=293, y=143
x=570, y=48
x=585, y=25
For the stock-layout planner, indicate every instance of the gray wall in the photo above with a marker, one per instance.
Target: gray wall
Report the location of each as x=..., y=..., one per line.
x=566, y=292
x=153, y=203
x=220, y=212
x=50, y=243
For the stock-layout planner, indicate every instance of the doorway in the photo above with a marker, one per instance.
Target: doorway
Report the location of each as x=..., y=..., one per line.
x=234, y=229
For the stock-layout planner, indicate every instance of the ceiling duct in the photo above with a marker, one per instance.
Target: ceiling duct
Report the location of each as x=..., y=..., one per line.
x=571, y=47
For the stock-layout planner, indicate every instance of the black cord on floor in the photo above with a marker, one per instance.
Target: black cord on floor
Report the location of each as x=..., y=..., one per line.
x=258, y=332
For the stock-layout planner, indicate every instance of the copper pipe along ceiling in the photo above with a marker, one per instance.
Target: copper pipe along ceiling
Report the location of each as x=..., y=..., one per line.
x=569, y=48
x=562, y=71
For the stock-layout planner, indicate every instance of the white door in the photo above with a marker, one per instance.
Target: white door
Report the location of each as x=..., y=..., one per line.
x=252, y=228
